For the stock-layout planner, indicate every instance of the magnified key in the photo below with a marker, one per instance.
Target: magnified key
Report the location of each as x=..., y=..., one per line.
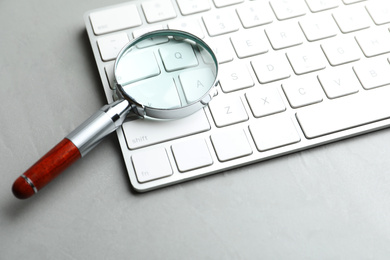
x=178, y=56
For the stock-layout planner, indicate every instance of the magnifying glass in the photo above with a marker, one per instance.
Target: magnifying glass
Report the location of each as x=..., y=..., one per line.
x=164, y=74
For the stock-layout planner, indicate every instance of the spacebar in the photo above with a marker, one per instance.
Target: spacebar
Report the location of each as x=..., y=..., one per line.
x=344, y=113
x=145, y=132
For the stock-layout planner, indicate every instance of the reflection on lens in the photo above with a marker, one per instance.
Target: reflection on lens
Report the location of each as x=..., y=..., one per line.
x=166, y=72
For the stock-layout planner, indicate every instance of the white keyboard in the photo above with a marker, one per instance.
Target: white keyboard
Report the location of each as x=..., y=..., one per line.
x=294, y=74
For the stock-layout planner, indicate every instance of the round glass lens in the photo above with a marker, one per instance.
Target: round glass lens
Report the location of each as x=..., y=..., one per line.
x=166, y=70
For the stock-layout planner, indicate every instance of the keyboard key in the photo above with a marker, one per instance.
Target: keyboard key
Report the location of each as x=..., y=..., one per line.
x=178, y=56
x=196, y=83
x=379, y=11
x=158, y=10
x=306, y=59
x=321, y=5
x=227, y=110
x=288, y=8
x=373, y=73
x=109, y=46
x=193, y=6
x=115, y=19
x=233, y=77
x=283, y=35
x=147, y=171
x=191, y=154
x=220, y=23
x=189, y=25
x=249, y=43
x=231, y=144
x=338, y=83
x=319, y=27
x=341, y=51
x=271, y=67
x=255, y=14
x=151, y=41
x=374, y=43
x=303, y=91
x=355, y=19
x=345, y=113
x=273, y=131
x=145, y=132
x=265, y=100
x=223, y=51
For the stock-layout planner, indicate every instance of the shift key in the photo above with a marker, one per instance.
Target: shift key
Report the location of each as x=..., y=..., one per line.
x=145, y=132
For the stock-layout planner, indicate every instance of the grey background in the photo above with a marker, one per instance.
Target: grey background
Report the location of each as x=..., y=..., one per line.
x=331, y=202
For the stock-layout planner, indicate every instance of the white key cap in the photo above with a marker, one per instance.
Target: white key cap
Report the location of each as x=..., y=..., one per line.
x=151, y=41
x=379, y=11
x=231, y=144
x=249, y=43
x=271, y=67
x=193, y=6
x=288, y=8
x=189, y=25
x=223, y=3
x=233, y=77
x=109, y=46
x=178, y=56
x=303, y=91
x=320, y=27
x=255, y=14
x=147, y=171
x=115, y=19
x=340, y=82
x=273, y=131
x=306, y=59
x=341, y=51
x=191, y=154
x=196, y=83
x=374, y=43
x=283, y=35
x=145, y=132
x=227, y=110
x=344, y=113
x=220, y=23
x=322, y=5
x=265, y=100
x=223, y=51
x=373, y=73
x=355, y=19
x=158, y=10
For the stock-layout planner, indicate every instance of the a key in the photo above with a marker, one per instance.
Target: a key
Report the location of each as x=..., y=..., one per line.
x=193, y=6
x=109, y=46
x=178, y=56
x=339, y=82
x=147, y=171
x=271, y=67
x=273, y=131
x=306, y=59
x=227, y=110
x=191, y=154
x=341, y=51
x=115, y=19
x=288, y=8
x=373, y=73
x=374, y=43
x=189, y=25
x=233, y=77
x=255, y=14
x=196, y=83
x=322, y=5
x=223, y=51
x=249, y=43
x=265, y=100
x=303, y=91
x=220, y=23
x=379, y=11
x=150, y=41
x=345, y=113
x=141, y=133
x=318, y=28
x=231, y=144
x=283, y=35
x=355, y=19
x=158, y=10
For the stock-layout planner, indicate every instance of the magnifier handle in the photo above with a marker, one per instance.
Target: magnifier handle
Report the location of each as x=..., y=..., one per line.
x=76, y=145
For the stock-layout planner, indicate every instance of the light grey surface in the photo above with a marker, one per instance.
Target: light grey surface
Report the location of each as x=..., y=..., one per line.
x=331, y=202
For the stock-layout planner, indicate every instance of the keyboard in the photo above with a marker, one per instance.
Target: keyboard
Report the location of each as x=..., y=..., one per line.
x=294, y=74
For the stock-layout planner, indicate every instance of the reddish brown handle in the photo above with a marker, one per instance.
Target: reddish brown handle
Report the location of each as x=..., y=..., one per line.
x=46, y=169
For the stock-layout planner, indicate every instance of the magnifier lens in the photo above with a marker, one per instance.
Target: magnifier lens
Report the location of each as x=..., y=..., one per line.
x=166, y=70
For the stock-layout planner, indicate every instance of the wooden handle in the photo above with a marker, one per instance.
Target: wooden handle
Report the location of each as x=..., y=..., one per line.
x=46, y=169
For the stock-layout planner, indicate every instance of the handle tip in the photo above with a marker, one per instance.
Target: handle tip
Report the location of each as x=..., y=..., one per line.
x=22, y=189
